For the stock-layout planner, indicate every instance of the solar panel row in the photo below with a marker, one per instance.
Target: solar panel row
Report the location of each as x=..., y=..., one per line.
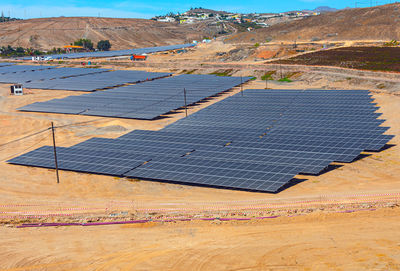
x=22, y=68
x=138, y=51
x=96, y=80
x=3, y=64
x=37, y=76
x=143, y=101
x=224, y=152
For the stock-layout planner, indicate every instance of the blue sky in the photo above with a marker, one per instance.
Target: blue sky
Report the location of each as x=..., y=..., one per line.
x=147, y=9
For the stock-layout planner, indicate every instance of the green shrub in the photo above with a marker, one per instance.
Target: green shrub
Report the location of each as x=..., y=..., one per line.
x=285, y=79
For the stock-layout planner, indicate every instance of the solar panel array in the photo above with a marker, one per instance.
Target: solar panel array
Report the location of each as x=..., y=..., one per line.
x=36, y=76
x=147, y=100
x=23, y=68
x=116, y=53
x=3, y=64
x=98, y=79
x=259, y=141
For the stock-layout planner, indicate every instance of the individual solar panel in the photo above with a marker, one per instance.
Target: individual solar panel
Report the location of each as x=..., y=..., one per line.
x=256, y=141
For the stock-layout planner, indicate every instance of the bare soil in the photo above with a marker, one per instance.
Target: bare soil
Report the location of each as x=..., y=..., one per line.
x=374, y=23
x=47, y=33
x=321, y=240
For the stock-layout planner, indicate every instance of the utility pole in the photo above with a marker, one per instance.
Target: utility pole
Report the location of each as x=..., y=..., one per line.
x=241, y=85
x=55, y=152
x=184, y=96
x=266, y=81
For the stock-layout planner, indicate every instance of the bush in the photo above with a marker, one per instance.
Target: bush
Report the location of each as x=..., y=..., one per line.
x=104, y=45
x=268, y=76
x=391, y=43
x=285, y=79
x=256, y=45
x=85, y=43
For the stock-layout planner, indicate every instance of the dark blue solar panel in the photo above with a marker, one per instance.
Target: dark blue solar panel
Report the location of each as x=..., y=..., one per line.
x=115, y=53
x=147, y=100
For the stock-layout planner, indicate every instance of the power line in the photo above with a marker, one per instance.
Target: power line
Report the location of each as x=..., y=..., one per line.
x=179, y=93
x=23, y=151
x=23, y=138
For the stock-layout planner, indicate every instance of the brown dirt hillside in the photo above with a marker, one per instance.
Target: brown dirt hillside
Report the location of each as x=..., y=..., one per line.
x=46, y=33
x=375, y=23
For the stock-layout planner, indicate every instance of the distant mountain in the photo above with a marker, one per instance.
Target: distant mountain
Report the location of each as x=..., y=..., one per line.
x=205, y=10
x=323, y=9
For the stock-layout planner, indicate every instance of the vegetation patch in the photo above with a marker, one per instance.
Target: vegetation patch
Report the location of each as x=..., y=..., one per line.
x=223, y=72
x=385, y=58
x=381, y=86
x=285, y=79
x=20, y=51
x=268, y=75
x=190, y=71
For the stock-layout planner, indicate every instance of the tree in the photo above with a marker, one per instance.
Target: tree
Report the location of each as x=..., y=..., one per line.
x=20, y=50
x=85, y=43
x=104, y=45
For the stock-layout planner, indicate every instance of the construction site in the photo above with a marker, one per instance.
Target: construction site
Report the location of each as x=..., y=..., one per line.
x=234, y=153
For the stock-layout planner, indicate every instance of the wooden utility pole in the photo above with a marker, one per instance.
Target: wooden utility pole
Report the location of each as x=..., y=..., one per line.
x=266, y=81
x=55, y=152
x=184, y=96
x=241, y=85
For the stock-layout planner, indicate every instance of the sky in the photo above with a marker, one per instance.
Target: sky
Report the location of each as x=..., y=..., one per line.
x=26, y=9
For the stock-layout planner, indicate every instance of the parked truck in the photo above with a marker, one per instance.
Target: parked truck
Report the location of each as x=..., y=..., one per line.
x=138, y=57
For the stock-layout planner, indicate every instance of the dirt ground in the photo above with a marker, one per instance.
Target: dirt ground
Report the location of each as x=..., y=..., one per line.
x=361, y=240
x=358, y=241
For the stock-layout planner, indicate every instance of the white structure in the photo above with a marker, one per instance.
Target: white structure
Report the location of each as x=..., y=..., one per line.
x=17, y=90
x=166, y=19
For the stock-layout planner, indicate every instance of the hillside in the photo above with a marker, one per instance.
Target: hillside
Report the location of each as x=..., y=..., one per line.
x=375, y=23
x=46, y=33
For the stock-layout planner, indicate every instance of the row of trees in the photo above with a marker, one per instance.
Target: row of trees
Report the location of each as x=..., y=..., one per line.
x=6, y=19
x=103, y=45
x=20, y=51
